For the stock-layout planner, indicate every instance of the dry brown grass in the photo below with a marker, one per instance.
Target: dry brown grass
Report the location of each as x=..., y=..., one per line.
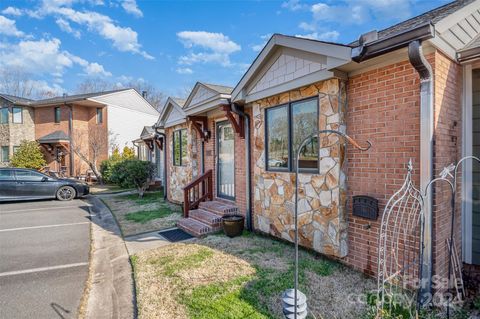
x=121, y=206
x=219, y=277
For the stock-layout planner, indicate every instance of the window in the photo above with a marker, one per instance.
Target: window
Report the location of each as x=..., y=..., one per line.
x=179, y=147
x=15, y=148
x=286, y=127
x=4, y=115
x=57, y=114
x=4, y=153
x=6, y=175
x=29, y=176
x=17, y=115
x=99, y=116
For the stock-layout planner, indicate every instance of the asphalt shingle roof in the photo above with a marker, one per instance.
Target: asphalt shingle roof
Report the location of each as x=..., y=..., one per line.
x=76, y=97
x=432, y=16
x=222, y=89
x=54, y=136
x=16, y=99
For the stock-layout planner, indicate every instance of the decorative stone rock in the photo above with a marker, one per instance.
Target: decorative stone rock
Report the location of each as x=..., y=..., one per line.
x=303, y=206
x=325, y=198
x=321, y=196
x=326, y=164
x=310, y=191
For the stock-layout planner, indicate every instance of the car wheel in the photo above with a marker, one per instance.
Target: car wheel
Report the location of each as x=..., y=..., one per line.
x=66, y=193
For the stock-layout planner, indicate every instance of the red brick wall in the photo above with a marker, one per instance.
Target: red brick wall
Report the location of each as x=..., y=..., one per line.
x=447, y=149
x=84, y=122
x=383, y=107
x=240, y=167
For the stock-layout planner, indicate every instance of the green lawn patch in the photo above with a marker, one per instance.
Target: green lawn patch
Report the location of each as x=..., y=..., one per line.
x=148, y=198
x=146, y=216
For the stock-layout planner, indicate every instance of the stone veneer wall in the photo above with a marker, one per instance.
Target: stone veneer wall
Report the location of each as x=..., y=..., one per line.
x=179, y=176
x=322, y=220
x=11, y=134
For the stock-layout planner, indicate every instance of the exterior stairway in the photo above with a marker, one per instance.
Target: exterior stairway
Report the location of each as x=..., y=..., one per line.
x=207, y=218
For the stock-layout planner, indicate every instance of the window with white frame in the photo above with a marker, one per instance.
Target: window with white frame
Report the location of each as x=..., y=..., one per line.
x=17, y=117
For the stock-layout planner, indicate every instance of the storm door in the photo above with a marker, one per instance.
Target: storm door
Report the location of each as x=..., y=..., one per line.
x=225, y=160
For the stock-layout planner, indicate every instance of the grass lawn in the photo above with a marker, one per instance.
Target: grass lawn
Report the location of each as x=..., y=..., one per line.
x=137, y=215
x=218, y=277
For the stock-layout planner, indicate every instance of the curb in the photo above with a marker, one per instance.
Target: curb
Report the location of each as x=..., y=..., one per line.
x=112, y=287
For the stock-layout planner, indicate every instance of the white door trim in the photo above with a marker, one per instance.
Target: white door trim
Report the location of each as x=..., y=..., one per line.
x=467, y=165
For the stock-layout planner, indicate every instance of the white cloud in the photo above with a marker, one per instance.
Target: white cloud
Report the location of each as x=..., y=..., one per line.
x=130, y=6
x=95, y=69
x=293, y=5
x=12, y=11
x=322, y=36
x=259, y=47
x=9, y=28
x=45, y=57
x=123, y=38
x=65, y=26
x=217, y=47
x=184, y=71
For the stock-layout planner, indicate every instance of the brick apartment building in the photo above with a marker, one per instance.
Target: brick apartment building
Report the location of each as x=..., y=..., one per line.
x=77, y=122
x=411, y=90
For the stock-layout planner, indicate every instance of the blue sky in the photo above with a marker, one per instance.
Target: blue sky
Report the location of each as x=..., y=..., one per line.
x=172, y=44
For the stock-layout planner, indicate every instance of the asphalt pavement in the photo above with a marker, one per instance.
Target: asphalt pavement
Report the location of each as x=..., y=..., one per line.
x=44, y=255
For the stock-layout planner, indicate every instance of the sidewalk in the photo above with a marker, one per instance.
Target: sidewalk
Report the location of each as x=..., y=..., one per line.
x=112, y=288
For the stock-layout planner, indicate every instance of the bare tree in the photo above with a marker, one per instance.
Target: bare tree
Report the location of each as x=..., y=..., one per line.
x=90, y=149
x=91, y=85
x=17, y=82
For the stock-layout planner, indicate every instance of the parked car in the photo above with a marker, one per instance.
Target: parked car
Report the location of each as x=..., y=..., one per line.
x=24, y=184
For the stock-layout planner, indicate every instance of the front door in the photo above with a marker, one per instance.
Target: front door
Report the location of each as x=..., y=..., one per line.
x=225, y=160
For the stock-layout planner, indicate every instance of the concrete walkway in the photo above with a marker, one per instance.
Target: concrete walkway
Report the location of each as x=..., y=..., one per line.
x=112, y=288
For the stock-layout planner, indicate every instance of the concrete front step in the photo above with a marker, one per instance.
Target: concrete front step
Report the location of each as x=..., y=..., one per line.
x=206, y=217
x=194, y=227
x=219, y=208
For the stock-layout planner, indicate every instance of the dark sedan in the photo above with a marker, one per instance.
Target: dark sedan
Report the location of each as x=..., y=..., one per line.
x=24, y=184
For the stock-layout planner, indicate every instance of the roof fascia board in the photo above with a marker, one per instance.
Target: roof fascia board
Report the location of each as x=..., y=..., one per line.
x=322, y=48
x=176, y=122
x=208, y=106
x=291, y=85
x=167, y=110
x=439, y=42
x=253, y=67
x=468, y=55
x=453, y=18
x=397, y=41
x=308, y=46
x=194, y=91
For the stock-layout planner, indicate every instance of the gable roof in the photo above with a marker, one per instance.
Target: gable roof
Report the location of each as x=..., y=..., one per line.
x=127, y=98
x=172, y=113
x=75, y=97
x=16, y=99
x=148, y=131
x=205, y=96
x=334, y=55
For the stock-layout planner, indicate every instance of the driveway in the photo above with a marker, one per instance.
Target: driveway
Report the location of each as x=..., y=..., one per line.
x=44, y=252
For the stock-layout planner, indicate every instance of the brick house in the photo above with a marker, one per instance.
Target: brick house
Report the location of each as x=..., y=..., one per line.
x=412, y=90
x=101, y=117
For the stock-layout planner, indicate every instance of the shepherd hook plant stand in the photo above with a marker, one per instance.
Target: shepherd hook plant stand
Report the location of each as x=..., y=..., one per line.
x=297, y=308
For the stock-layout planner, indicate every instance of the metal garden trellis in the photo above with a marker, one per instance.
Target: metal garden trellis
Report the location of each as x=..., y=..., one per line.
x=394, y=267
x=288, y=294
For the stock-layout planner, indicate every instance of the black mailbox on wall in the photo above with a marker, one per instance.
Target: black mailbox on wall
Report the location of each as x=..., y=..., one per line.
x=365, y=206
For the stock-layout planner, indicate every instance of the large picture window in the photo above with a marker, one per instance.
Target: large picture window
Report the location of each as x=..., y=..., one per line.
x=286, y=127
x=179, y=147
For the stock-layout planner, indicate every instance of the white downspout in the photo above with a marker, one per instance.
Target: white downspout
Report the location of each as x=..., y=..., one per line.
x=424, y=69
